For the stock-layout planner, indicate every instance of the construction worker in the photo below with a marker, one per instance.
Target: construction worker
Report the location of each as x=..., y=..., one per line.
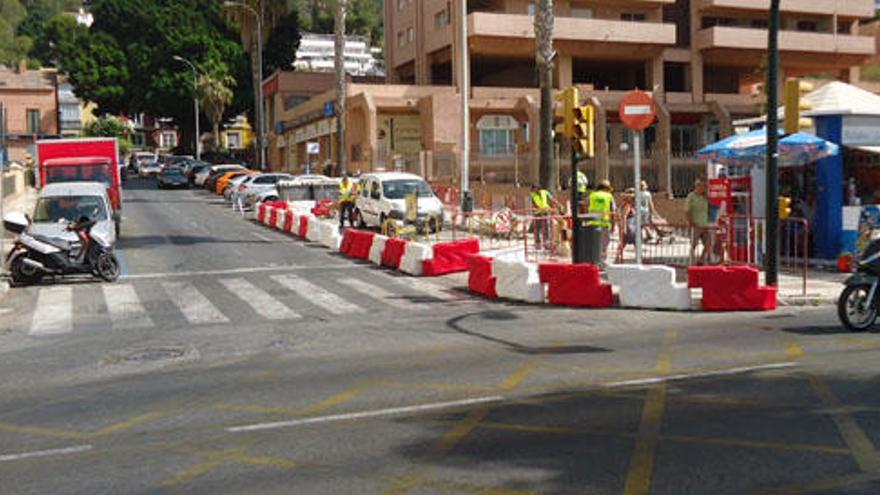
x=583, y=184
x=542, y=204
x=348, y=192
x=600, y=212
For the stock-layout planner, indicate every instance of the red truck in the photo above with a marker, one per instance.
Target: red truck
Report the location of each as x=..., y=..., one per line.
x=81, y=160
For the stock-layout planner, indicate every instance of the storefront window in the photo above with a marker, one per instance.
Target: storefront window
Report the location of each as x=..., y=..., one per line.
x=497, y=134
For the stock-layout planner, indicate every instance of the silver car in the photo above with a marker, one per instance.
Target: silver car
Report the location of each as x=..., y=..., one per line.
x=238, y=185
x=257, y=188
x=62, y=203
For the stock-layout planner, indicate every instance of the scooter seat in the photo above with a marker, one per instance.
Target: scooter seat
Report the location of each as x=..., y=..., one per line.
x=62, y=244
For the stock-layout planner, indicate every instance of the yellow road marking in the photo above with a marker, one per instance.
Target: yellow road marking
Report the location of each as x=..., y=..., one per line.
x=462, y=429
x=793, y=350
x=80, y=435
x=450, y=486
x=641, y=466
x=323, y=405
x=858, y=442
x=755, y=444
x=517, y=377
x=441, y=386
x=216, y=458
x=125, y=424
x=819, y=485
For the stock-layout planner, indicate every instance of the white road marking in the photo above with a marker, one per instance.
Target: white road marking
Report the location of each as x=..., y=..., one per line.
x=262, y=237
x=430, y=289
x=701, y=374
x=376, y=292
x=44, y=453
x=317, y=295
x=235, y=271
x=393, y=411
x=126, y=310
x=196, y=308
x=264, y=304
x=53, y=313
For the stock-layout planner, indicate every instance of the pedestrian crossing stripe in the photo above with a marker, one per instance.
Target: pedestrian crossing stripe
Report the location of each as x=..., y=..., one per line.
x=54, y=311
x=377, y=292
x=317, y=295
x=259, y=300
x=125, y=308
x=194, y=306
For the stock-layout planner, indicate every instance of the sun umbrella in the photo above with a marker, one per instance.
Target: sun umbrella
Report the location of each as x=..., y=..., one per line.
x=750, y=149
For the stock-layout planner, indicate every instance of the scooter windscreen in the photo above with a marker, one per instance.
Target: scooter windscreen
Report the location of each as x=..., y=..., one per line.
x=871, y=257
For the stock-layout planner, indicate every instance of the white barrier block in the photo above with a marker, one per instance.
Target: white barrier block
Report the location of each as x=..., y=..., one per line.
x=279, y=221
x=330, y=236
x=313, y=233
x=413, y=255
x=269, y=210
x=294, y=221
x=649, y=286
x=517, y=279
x=377, y=248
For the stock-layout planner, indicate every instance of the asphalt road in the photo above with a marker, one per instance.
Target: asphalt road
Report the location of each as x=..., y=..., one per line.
x=233, y=359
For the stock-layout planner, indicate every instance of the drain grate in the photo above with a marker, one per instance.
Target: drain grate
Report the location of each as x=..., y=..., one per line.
x=154, y=354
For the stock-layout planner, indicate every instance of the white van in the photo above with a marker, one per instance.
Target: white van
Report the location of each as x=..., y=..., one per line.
x=383, y=196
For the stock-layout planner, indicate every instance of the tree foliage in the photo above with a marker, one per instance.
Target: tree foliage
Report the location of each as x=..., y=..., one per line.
x=13, y=47
x=110, y=126
x=364, y=17
x=215, y=94
x=280, y=49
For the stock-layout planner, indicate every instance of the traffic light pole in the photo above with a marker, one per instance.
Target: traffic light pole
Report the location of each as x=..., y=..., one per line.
x=575, y=199
x=771, y=260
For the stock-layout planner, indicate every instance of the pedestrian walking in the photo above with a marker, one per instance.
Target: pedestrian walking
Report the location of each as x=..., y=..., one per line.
x=646, y=211
x=542, y=204
x=626, y=223
x=701, y=224
x=601, y=210
x=348, y=191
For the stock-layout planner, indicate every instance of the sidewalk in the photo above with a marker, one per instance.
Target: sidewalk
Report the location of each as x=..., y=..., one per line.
x=823, y=287
x=23, y=202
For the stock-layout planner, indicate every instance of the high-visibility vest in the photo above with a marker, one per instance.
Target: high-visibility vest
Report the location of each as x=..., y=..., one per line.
x=348, y=192
x=583, y=182
x=541, y=201
x=600, y=205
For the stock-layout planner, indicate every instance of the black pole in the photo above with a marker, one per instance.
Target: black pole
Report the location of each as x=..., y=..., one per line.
x=575, y=223
x=771, y=261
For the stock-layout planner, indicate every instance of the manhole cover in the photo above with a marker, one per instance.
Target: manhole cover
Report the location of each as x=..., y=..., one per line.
x=158, y=354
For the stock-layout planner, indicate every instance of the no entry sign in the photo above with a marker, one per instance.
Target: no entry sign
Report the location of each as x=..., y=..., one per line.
x=637, y=110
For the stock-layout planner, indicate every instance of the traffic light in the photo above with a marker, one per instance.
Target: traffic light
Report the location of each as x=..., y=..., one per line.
x=568, y=99
x=795, y=104
x=784, y=207
x=585, y=130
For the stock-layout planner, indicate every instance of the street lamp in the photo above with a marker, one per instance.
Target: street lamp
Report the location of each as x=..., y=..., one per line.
x=261, y=124
x=195, y=102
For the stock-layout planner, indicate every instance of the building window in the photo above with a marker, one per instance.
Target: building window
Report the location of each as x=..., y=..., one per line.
x=844, y=27
x=675, y=77
x=684, y=138
x=168, y=139
x=709, y=22
x=233, y=140
x=759, y=24
x=33, y=121
x=531, y=8
x=582, y=12
x=138, y=140
x=808, y=26
x=401, y=4
x=497, y=135
x=633, y=17
x=400, y=39
x=441, y=19
x=410, y=35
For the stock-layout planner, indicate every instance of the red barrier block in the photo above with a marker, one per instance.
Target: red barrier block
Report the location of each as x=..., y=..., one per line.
x=732, y=288
x=361, y=242
x=575, y=285
x=288, y=221
x=451, y=257
x=393, y=253
x=273, y=217
x=303, y=226
x=345, y=245
x=261, y=212
x=480, y=279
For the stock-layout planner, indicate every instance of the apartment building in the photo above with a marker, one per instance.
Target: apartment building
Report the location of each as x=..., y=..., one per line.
x=30, y=102
x=316, y=54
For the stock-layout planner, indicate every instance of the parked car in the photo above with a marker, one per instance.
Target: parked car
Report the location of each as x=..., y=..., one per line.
x=262, y=184
x=223, y=181
x=211, y=181
x=62, y=203
x=172, y=177
x=302, y=192
x=140, y=157
x=192, y=168
x=237, y=184
x=150, y=169
x=177, y=160
x=206, y=172
x=383, y=196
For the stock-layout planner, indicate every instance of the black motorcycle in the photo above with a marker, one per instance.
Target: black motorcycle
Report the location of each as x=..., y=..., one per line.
x=860, y=300
x=35, y=256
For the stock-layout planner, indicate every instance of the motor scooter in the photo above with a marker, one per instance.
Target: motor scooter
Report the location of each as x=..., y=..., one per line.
x=859, y=302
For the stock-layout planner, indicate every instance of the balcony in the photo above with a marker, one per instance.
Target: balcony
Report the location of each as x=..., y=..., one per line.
x=735, y=38
x=844, y=8
x=515, y=26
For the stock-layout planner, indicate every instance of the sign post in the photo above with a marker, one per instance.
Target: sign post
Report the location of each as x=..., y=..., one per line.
x=637, y=111
x=313, y=148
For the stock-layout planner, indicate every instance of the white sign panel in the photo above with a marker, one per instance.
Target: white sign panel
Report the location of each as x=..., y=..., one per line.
x=637, y=110
x=313, y=147
x=861, y=131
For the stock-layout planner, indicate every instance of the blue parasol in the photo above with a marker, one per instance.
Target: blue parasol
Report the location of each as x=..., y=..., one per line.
x=750, y=149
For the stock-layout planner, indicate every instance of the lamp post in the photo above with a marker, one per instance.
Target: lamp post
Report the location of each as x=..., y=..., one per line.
x=195, y=103
x=261, y=124
x=771, y=260
x=467, y=203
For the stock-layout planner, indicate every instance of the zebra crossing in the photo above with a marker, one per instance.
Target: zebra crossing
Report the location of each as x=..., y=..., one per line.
x=131, y=305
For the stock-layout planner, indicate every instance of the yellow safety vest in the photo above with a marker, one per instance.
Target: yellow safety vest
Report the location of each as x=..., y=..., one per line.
x=541, y=201
x=582, y=182
x=600, y=202
x=348, y=193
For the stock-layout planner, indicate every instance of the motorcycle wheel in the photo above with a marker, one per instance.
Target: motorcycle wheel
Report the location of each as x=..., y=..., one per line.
x=23, y=274
x=107, y=267
x=856, y=312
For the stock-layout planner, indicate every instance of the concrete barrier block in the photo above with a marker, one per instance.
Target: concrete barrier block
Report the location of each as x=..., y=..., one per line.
x=313, y=233
x=330, y=236
x=649, y=286
x=377, y=248
x=517, y=279
x=414, y=255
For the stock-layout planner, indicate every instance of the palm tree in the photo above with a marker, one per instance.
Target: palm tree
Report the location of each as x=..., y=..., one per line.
x=215, y=94
x=544, y=56
x=339, y=65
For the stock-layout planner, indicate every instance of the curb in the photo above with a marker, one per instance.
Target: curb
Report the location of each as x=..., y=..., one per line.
x=4, y=288
x=803, y=301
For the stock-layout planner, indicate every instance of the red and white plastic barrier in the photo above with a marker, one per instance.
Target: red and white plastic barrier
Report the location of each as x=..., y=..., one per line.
x=517, y=280
x=731, y=288
x=649, y=286
x=378, y=247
